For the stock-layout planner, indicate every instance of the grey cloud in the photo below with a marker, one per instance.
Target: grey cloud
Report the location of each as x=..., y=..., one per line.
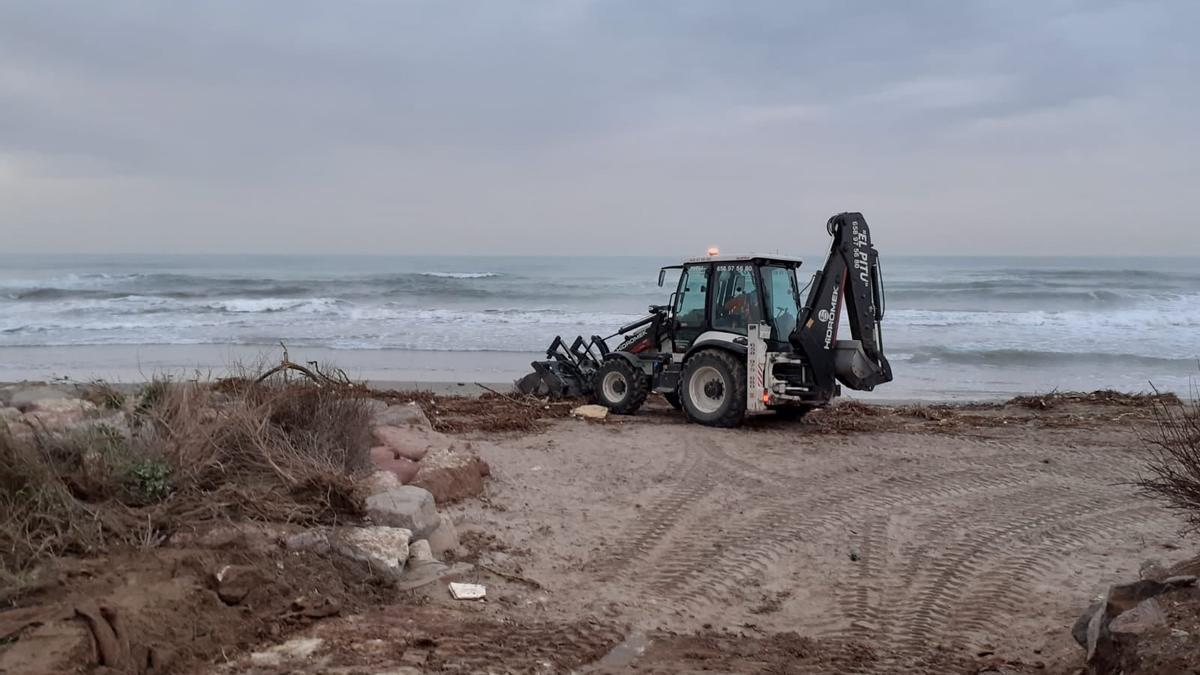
x=529, y=117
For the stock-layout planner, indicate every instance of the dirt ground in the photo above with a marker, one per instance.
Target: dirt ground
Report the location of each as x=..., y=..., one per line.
x=863, y=539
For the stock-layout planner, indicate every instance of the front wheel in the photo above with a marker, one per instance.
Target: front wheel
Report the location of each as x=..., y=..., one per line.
x=620, y=387
x=713, y=388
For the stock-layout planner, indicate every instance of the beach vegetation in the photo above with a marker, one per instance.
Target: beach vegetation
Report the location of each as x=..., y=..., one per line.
x=1173, y=471
x=271, y=451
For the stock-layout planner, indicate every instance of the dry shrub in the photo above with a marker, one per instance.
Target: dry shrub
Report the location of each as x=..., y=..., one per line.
x=279, y=452
x=40, y=517
x=1173, y=471
x=284, y=452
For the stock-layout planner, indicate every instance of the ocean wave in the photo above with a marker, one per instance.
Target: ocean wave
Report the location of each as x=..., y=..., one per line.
x=460, y=275
x=1034, y=358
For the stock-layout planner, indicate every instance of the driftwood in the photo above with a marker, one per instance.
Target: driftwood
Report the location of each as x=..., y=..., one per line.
x=338, y=378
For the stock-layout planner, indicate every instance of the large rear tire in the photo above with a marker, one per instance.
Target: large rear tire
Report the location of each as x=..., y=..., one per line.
x=620, y=387
x=713, y=388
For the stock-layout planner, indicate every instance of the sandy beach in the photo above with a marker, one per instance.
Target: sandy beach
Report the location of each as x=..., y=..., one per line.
x=865, y=538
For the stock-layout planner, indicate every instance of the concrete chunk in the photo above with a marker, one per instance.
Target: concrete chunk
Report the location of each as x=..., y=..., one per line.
x=385, y=549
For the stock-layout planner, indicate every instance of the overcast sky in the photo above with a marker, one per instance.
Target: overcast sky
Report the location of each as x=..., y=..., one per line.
x=576, y=126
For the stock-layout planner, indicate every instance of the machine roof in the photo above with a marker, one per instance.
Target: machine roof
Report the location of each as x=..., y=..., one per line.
x=770, y=257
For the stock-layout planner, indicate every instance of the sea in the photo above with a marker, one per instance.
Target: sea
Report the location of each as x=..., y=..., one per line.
x=955, y=328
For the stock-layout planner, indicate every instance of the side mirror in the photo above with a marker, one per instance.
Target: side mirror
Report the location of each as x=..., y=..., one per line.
x=662, y=276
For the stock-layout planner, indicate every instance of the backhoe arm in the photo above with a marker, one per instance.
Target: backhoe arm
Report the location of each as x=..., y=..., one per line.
x=852, y=273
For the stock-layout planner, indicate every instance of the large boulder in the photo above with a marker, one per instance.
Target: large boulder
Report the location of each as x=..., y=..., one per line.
x=23, y=397
x=57, y=414
x=1113, y=625
x=408, y=506
x=451, y=475
x=405, y=470
x=402, y=415
x=383, y=549
x=411, y=442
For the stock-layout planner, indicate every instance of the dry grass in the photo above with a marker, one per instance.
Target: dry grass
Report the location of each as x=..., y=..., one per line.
x=272, y=451
x=1173, y=472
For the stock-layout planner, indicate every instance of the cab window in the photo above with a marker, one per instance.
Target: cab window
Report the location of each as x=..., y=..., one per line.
x=689, y=303
x=736, y=301
x=780, y=299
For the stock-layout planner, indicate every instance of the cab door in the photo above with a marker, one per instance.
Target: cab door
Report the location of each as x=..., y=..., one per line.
x=691, y=306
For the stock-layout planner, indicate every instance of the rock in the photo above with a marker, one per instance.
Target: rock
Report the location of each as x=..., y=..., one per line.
x=57, y=414
x=444, y=538
x=413, y=443
x=1124, y=597
x=1108, y=648
x=1152, y=569
x=1180, y=581
x=381, y=481
x=234, y=582
x=382, y=453
x=313, y=541
x=402, y=414
x=1146, y=615
x=384, y=549
x=296, y=649
x=25, y=397
x=405, y=470
x=420, y=553
x=408, y=506
x=591, y=412
x=374, y=406
x=1079, y=630
x=452, y=475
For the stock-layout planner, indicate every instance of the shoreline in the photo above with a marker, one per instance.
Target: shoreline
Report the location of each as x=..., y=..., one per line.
x=456, y=372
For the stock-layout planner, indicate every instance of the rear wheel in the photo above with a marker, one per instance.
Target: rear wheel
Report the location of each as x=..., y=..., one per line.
x=713, y=388
x=620, y=387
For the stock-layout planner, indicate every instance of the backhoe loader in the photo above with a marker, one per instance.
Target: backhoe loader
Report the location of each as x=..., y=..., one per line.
x=734, y=339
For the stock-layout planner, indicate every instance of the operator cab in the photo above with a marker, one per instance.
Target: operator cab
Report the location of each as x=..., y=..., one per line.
x=725, y=294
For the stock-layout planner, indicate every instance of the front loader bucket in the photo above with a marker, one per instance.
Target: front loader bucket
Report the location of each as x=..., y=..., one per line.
x=567, y=371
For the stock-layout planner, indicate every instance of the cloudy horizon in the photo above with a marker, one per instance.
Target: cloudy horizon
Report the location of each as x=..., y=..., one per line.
x=590, y=127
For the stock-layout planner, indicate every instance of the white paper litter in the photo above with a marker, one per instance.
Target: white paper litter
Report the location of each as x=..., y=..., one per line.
x=467, y=591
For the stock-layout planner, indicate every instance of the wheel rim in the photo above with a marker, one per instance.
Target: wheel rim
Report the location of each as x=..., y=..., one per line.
x=706, y=389
x=614, y=386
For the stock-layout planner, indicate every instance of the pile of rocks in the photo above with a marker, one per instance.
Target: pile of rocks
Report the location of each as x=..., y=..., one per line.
x=1111, y=628
x=416, y=469
x=413, y=453
x=25, y=408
